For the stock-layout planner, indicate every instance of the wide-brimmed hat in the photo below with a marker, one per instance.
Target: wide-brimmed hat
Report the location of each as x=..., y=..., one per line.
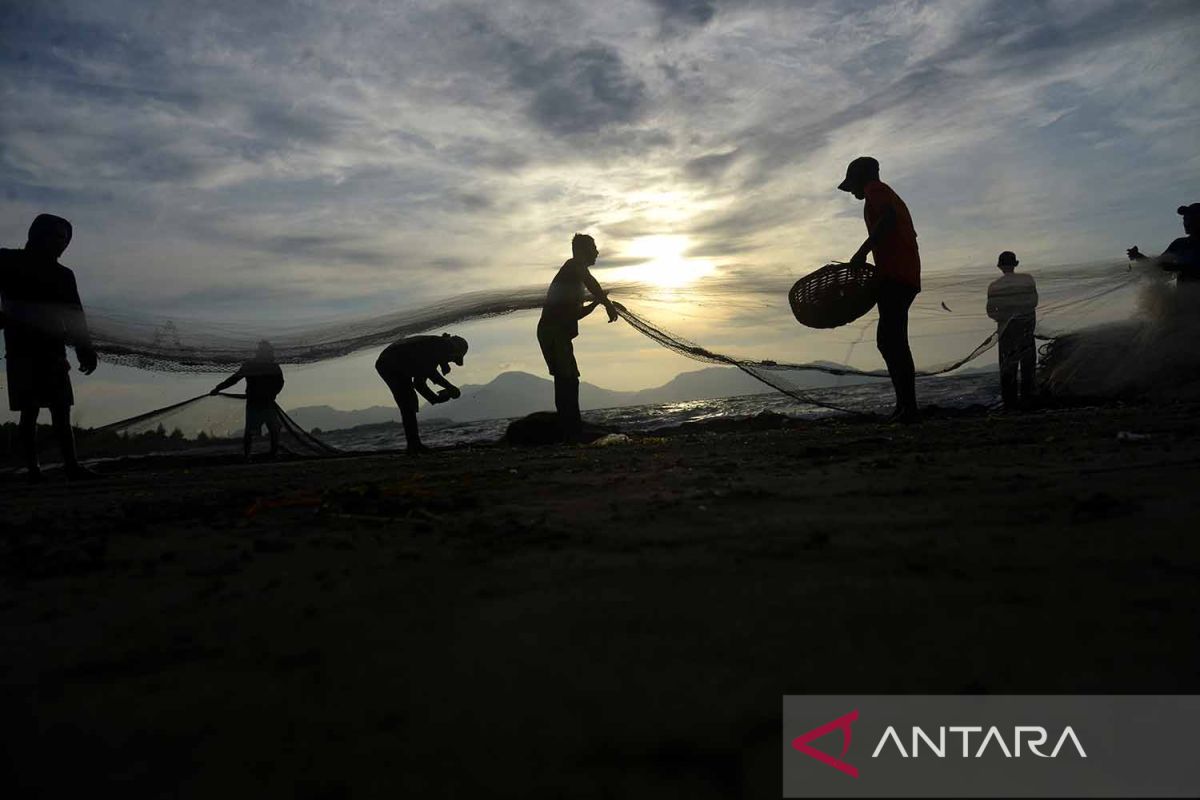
x=1007, y=259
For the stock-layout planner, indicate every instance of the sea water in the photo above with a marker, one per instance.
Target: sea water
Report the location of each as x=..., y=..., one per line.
x=872, y=397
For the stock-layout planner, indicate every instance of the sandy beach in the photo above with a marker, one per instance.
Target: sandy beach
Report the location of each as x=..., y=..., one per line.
x=580, y=621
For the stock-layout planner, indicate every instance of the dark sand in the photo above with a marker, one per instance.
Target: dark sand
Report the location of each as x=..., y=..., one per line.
x=581, y=622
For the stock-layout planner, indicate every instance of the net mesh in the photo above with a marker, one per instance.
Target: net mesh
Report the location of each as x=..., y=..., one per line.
x=1079, y=313
x=180, y=345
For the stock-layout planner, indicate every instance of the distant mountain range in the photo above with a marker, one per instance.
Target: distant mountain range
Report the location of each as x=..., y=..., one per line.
x=515, y=394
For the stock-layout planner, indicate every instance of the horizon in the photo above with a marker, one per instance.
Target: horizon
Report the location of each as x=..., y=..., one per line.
x=248, y=165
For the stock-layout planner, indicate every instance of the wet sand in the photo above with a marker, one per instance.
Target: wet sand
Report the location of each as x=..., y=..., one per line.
x=581, y=622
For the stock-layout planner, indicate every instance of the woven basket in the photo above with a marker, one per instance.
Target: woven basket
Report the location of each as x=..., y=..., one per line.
x=834, y=295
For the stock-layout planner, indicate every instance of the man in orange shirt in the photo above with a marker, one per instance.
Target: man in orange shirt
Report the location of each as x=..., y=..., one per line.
x=893, y=240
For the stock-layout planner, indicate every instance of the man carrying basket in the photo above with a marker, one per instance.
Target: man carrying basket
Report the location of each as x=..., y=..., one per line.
x=893, y=240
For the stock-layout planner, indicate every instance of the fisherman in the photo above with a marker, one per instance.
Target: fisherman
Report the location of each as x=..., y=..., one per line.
x=559, y=324
x=264, y=382
x=1182, y=256
x=42, y=314
x=406, y=367
x=893, y=240
x=1011, y=300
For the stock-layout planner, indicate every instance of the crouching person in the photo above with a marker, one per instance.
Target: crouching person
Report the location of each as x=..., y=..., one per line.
x=408, y=365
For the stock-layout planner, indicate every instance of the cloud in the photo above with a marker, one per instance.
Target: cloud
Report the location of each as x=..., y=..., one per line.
x=363, y=154
x=683, y=14
x=575, y=90
x=709, y=167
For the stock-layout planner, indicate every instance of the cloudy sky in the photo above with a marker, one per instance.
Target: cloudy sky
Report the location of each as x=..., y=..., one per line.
x=294, y=160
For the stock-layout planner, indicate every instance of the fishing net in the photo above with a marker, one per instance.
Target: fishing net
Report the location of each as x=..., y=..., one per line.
x=215, y=417
x=208, y=426
x=205, y=425
x=1152, y=354
x=1080, y=305
x=949, y=303
x=167, y=344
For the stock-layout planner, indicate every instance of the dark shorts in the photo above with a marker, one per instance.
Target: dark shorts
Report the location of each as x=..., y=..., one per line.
x=401, y=383
x=557, y=350
x=38, y=383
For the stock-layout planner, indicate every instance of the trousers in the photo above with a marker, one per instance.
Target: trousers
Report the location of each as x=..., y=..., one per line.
x=891, y=337
x=1018, y=361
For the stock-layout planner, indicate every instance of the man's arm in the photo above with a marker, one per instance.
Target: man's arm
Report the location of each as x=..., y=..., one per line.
x=1167, y=259
x=230, y=381
x=5, y=256
x=601, y=296
x=881, y=229
x=75, y=325
x=452, y=391
x=993, y=308
x=588, y=309
x=420, y=384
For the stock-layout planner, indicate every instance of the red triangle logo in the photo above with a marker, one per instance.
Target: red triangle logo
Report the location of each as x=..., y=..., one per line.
x=843, y=724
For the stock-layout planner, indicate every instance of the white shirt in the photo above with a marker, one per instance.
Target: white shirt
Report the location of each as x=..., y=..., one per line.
x=1013, y=294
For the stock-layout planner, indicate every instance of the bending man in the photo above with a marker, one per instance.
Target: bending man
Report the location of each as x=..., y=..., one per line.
x=41, y=315
x=893, y=240
x=559, y=324
x=408, y=365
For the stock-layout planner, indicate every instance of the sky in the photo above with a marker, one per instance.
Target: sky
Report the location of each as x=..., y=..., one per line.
x=285, y=161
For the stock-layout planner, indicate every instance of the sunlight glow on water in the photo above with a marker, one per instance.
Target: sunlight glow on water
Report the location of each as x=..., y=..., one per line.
x=875, y=396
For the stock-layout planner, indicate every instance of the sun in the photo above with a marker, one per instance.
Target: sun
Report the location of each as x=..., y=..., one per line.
x=663, y=262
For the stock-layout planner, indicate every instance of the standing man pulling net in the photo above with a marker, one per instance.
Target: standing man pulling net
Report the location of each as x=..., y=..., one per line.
x=41, y=315
x=264, y=382
x=408, y=365
x=559, y=324
x=893, y=240
x=1011, y=302
x=1182, y=256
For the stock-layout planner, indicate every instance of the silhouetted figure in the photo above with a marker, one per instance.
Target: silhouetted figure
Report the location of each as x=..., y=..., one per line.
x=559, y=325
x=893, y=240
x=1182, y=255
x=41, y=315
x=408, y=365
x=264, y=382
x=1011, y=301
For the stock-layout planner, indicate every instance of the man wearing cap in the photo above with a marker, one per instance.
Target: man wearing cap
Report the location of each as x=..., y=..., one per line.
x=41, y=315
x=1011, y=301
x=1182, y=255
x=406, y=367
x=893, y=240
